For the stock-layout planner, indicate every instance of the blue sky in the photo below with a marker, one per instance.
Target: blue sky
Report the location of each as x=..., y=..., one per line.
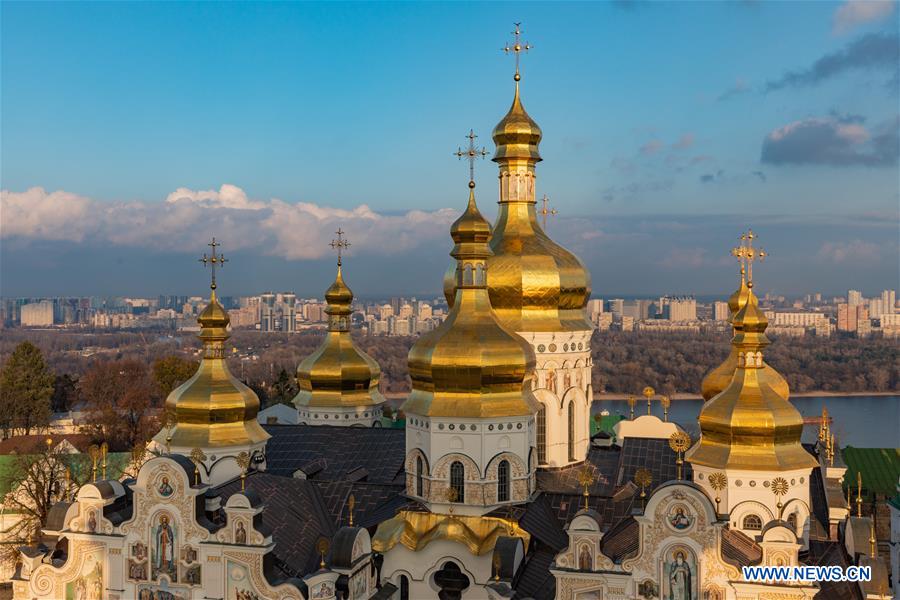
x=667, y=128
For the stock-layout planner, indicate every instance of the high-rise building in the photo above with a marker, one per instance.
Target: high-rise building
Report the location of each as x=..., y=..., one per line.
x=386, y=312
x=288, y=312
x=37, y=314
x=267, y=312
x=406, y=311
x=876, y=308
x=888, y=302
x=617, y=307
x=594, y=308
x=720, y=311
x=636, y=309
x=680, y=309
x=425, y=311
x=854, y=298
x=849, y=317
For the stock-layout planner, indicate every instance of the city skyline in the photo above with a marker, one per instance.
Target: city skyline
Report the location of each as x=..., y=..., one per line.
x=654, y=164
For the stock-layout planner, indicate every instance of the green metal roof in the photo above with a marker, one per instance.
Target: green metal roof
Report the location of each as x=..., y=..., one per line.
x=606, y=423
x=880, y=468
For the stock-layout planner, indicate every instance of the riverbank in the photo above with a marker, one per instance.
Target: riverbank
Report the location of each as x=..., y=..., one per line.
x=682, y=396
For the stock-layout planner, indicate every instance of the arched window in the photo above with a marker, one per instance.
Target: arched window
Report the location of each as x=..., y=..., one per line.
x=458, y=480
x=419, y=483
x=404, y=588
x=752, y=522
x=467, y=274
x=792, y=521
x=479, y=274
x=503, y=481
x=584, y=559
x=542, y=435
x=571, y=430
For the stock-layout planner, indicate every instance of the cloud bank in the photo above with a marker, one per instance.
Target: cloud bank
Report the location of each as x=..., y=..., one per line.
x=832, y=141
x=854, y=13
x=187, y=218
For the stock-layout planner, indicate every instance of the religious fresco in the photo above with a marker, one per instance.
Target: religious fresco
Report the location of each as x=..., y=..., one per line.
x=190, y=575
x=162, y=592
x=648, y=589
x=164, y=541
x=680, y=518
x=164, y=488
x=137, y=571
x=89, y=585
x=240, y=533
x=680, y=576
x=237, y=584
x=188, y=554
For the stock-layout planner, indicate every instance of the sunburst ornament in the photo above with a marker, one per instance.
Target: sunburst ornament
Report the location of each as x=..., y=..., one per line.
x=586, y=478
x=198, y=457
x=780, y=487
x=94, y=452
x=322, y=547
x=666, y=402
x=718, y=481
x=679, y=442
x=631, y=402
x=243, y=461
x=643, y=477
x=648, y=393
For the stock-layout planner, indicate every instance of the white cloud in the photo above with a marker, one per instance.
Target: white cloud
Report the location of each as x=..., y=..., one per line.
x=187, y=218
x=854, y=13
x=855, y=252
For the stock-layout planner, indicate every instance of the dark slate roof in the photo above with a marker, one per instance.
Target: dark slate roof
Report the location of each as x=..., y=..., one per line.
x=830, y=554
x=375, y=502
x=605, y=462
x=738, y=549
x=622, y=540
x=375, y=454
x=296, y=516
x=535, y=580
x=819, y=525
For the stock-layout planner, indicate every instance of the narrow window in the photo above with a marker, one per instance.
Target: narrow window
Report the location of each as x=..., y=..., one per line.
x=503, y=481
x=542, y=435
x=404, y=588
x=419, y=484
x=571, y=431
x=458, y=481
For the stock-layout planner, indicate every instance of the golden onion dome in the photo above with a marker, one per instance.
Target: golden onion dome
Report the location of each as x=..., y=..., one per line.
x=517, y=135
x=749, y=425
x=534, y=283
x=471, y=365
x=337, y=373
x=719, y=378
x=212, y=409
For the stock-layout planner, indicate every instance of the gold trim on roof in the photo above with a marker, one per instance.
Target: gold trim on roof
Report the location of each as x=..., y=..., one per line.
x=415, y=530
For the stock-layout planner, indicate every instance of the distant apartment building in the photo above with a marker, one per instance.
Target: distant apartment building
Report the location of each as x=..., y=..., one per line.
x=679, y=308
x=796, y=319
x=37, y=314
x=853, y=317
x=594, y=308
x=890, y=325
x=667, y=326
x=639, y=310
x=854, y=297
x=889, y=301
x=617, y=307
x=604, y=320
x=720, y=311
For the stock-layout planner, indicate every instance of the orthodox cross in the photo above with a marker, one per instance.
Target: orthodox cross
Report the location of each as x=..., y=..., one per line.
x=858, y=494
x=322, y=546
x=748, y=255
x=471, y=154
x=517, y=48
x=94, y=452
x=104, y=450
x=546, y=210
x=213, y=260
x=666, y=402
x=340, y=244
x=631, y=401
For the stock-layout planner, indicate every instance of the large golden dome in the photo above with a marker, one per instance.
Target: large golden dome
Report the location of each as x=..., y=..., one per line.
x=338, y=373
x=719, y=378
x=534, y=283
x=749, y=425
x=471, y=365
x=213, y=408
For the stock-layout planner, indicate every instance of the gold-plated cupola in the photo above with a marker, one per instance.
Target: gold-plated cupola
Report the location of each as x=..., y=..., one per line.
x=337, y=373
x=534, y=283
x=719, y=378
x=212, y=409
x=471, y=365
x=749, y=425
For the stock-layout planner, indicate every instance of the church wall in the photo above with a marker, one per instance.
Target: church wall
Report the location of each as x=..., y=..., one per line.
x=420, y=567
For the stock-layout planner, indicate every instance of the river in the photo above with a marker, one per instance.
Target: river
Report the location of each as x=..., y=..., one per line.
x=860, y=421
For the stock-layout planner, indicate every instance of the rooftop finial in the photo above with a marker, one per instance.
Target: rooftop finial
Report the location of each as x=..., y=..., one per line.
x=471, y=154
x=546, y=211
x=747, y=255
x=517, y=48
x=340, y=244
x=213, y=261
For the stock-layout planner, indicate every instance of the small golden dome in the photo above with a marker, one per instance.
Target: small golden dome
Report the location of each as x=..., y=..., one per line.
x=337, y=373
x=749, y=425
x=719, y=378
x=517, y=135
x=212, y=409
x=471, y=365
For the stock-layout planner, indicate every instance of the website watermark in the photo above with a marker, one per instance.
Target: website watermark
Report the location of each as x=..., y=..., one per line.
x=808, y=573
